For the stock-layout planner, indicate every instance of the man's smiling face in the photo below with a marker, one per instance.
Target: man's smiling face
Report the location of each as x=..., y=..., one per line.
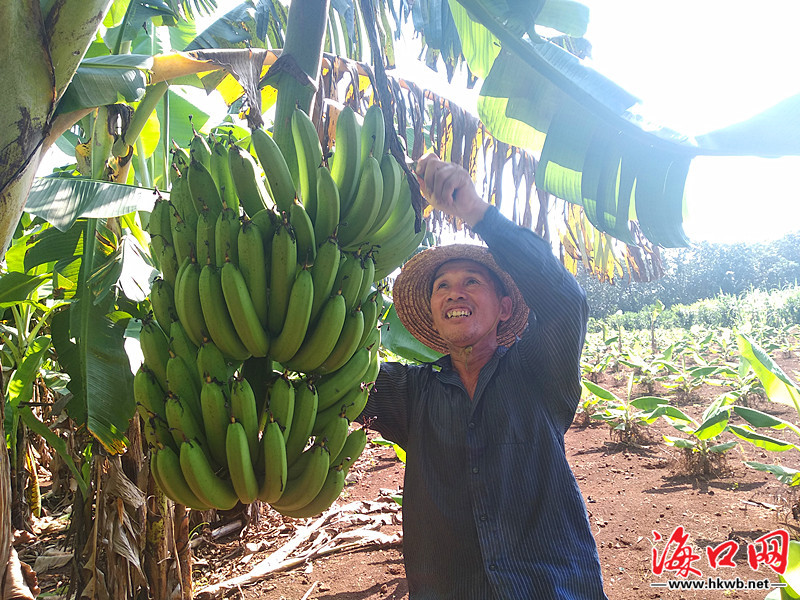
x=467, y=306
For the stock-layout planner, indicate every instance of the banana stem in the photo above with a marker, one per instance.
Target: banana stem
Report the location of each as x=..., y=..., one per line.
x=144, y=171
x=305, y=33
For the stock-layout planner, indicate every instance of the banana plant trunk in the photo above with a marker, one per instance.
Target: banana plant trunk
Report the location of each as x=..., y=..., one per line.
x=44, y=43
x=297, y=81
x=5, y=501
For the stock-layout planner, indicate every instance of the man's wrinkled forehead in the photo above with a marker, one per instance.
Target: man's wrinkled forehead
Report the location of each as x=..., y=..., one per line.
x=460, y=263
x=470, y=266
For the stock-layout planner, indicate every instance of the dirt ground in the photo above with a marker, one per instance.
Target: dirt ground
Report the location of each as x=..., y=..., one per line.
x=630, y=492
x=354, y=551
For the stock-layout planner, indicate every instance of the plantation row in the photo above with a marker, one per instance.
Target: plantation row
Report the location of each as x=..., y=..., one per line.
x=675, y=363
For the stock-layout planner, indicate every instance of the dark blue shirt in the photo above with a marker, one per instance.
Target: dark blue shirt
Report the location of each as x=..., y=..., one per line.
x=491, y=509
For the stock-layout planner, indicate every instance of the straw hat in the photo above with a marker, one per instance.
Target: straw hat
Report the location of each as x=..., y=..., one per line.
x=412, y=294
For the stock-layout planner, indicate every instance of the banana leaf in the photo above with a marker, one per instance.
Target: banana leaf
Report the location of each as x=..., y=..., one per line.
x=105, y=80
x=61, y=201
x=762, y=441
x=777, y=385
x=15, y=287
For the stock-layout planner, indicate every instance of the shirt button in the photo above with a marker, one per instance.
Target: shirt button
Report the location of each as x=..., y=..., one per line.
x=493, y=567
x=475, y=470
x=484, y=518
x=471, y=425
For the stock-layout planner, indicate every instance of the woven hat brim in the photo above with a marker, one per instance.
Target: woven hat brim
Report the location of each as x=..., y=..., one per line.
x=412, y=293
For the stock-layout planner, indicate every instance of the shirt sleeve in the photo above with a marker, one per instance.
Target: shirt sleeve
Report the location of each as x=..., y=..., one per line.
x=387, y=408
x=553, y=342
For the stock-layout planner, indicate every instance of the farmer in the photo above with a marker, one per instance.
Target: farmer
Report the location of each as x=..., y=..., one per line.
x=491, y=509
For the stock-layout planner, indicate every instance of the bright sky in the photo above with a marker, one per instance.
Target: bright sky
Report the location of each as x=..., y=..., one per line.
x=699, y=66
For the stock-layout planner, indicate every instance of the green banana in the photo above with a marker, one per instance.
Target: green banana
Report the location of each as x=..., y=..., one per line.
x=320, y=341
x=400, y=220
x=156, y=432
x=226, y=231
x=164, y=254
x=328, y=205
x=216, y=417
x=355, y=401
x=180, y=158
x=274, y=464
x=358, y=220
x=206, y=485
x=346, y=166
x=159, y=224
x=373, y=369
x=181, y=199
x=259, y=372
x=240, y=463
x=206, y=246
x=211, y=363
x=184, y=383
x=303, y=489
x=183, y=239
x=305, y=412
x=370, y=309
x=172, y=481
x=277, y=172
x=323, y=273
x=348, y=280
x=242, y=312
x=392, y=176
x=373, y=340
x=252, y=264
x=368, y=276
x=221, y=172
x=281, y=404
x=267, y=222
x=250, y=189
x=330, y=491
x=352, y=449
x=199, y=149
x=155, y=429
x=162, y=300
x=215, y=312
x=373, y=134
x=291, y=337
x=304, y=234
x=334, y=433
x=203, y=188
x=346, y=346
x=333, y=387
x=283, y=267
x=188, y=304
x=182, y=422
x=243, y=409
x=395, y=256
x=181, y=344
x=328, y=416
x=148, y=392
x=155, y=349
x=309, y=158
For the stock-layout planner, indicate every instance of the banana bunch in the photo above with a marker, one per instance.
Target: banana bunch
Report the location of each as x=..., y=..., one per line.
x=216, y=443
x=263, y=342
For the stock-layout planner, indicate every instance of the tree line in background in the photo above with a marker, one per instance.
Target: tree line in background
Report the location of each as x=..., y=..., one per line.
x=703, y=271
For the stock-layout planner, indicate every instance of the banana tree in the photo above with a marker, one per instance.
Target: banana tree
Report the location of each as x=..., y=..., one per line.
x=45, y=42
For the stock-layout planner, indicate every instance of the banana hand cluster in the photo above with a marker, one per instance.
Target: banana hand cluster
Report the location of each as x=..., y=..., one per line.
x=264, y=340
x=215, y=442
